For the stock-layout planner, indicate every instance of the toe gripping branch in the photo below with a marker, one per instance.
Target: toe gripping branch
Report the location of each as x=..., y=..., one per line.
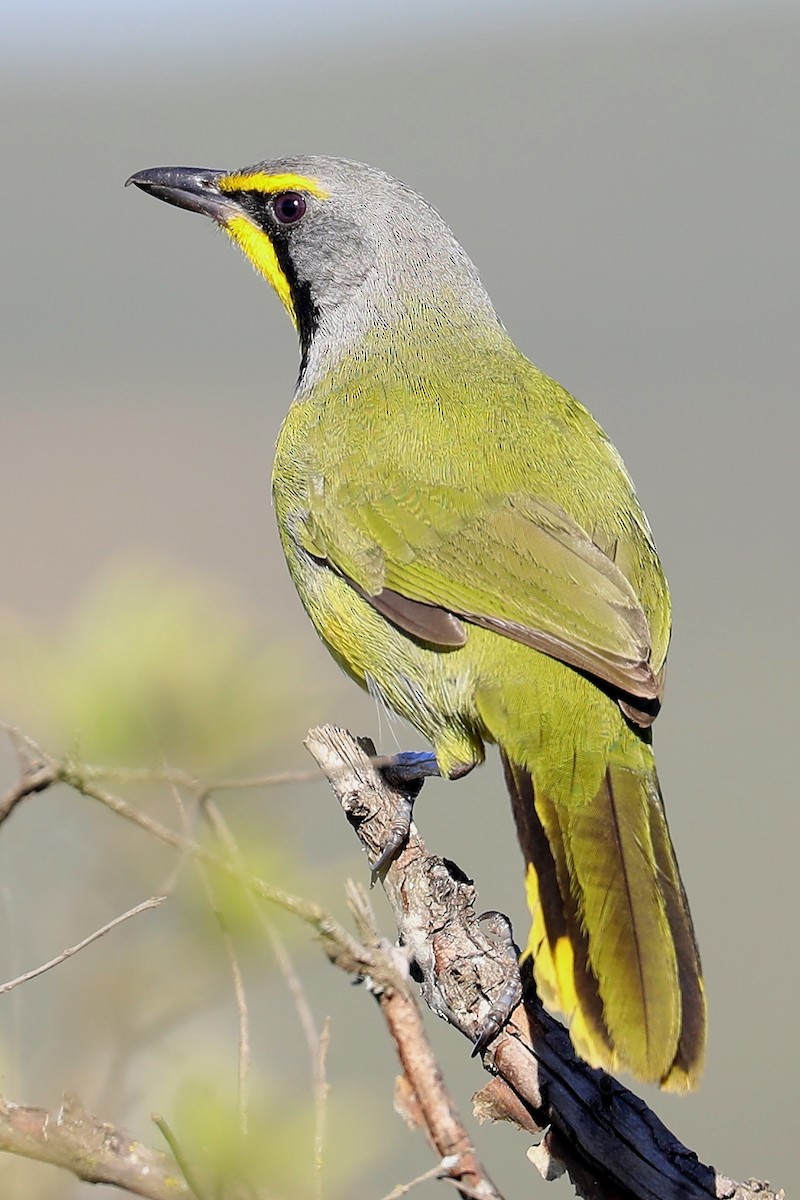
x=509, y=996
x=405, y=773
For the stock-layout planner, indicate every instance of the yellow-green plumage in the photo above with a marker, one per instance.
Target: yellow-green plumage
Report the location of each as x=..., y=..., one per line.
x=399, y=509
x=468, y=545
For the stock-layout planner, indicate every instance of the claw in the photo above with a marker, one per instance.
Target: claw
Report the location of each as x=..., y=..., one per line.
x=406, y=772
x=398, y=832
x=511, y=994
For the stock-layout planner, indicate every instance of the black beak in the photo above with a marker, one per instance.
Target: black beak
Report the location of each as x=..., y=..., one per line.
x=194, y=188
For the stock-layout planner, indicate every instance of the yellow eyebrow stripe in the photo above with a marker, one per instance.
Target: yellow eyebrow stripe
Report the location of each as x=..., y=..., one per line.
x=256, y=246
x=261, y=181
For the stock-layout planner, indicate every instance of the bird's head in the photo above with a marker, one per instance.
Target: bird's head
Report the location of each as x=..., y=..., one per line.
x=343, y=244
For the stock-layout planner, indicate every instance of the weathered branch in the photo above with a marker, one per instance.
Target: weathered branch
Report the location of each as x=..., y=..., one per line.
x=611, y=1144
x=608, y=1140
x=92, y=1150
x=426, y=1095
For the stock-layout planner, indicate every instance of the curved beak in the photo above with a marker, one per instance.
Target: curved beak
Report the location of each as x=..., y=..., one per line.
x=194, y=188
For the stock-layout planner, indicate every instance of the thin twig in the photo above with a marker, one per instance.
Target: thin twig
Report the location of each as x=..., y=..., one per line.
x=224, y=835
x=36, y=770
x=35, y=777
x=298, y=994
x=316, y=1043
x=243, y=1068
x=187, y=1170
x=188, y=825
x=317, y=1049
x=185, y=779
x=321, y=1089
x=403, y=1189
x=243, y=1012
x=441, y=1119
x=152, y=902
x=207, y=787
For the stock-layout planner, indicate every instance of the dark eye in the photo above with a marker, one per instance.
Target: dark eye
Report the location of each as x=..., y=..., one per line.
x=289, y=207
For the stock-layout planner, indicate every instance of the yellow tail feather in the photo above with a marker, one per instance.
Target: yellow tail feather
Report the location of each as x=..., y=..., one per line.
x=611, y=939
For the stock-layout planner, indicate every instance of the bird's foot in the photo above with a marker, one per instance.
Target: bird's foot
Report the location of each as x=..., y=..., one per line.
x=397, y=835
x=406, y=772
x=511, y=992
x=410, y=769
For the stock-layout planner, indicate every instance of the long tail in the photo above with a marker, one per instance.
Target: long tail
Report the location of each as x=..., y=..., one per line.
x=612, y=940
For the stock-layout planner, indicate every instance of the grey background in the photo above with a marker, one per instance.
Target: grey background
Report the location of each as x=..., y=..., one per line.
x=629, y=190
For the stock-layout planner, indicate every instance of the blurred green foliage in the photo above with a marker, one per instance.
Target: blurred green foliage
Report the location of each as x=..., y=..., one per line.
x=154, y=666
x=158, y=670
x=277, y=1160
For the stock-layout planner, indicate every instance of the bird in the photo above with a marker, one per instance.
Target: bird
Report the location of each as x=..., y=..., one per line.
x=469, y=547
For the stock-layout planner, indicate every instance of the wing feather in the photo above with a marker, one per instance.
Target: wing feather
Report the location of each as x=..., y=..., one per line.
x=516, y=564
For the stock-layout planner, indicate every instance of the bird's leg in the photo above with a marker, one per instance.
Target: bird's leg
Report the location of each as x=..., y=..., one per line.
x=405, y=772
x=410, y=767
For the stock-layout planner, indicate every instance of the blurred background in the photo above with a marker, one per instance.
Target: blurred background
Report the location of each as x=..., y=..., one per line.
x=644, y=252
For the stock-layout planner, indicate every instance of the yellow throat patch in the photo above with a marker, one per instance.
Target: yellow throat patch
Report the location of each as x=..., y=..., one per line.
x=251, y=240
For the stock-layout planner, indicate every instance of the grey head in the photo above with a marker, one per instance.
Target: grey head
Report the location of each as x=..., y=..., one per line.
x=348, y=248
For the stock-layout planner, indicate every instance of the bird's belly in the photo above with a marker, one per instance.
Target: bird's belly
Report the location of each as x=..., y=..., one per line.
x=550, y=718
x=433, y=689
